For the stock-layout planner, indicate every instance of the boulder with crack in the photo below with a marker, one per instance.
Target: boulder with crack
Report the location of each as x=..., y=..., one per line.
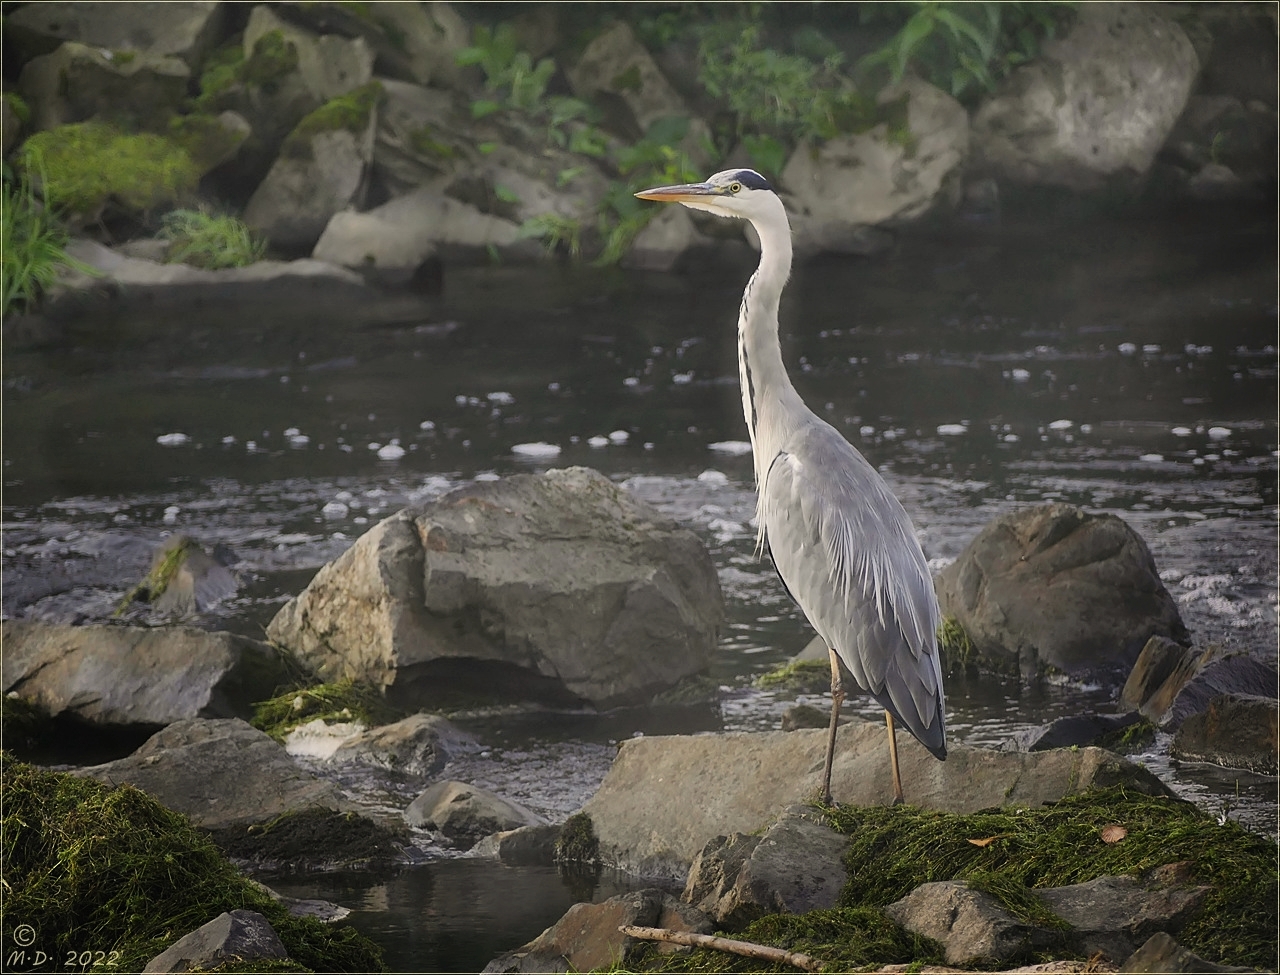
x=559, y=587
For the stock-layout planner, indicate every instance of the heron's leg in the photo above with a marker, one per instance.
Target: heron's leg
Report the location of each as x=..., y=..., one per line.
x=837, y=698
x=893, y=760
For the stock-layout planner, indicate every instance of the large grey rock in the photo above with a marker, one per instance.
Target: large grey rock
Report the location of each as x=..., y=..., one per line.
x=119, y=675
x=1095, y=106
x=221, y=773
x=1052, y=586
x=232, y=936
x=524, y=846
x=315, y=176
x=658, y=807
x=878, y=177
x=400, y=235
x=424, y=137
x=973, y=926
x=181, y=30
x=1114, y=915
x=1236, y=730
x=466, y=813
x=559, y=586
x=796, y=866
x=667, y=238
x=77, y=82
x=587, y=937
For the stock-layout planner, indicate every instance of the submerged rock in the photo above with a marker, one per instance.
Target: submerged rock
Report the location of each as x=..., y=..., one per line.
x=123, y=675
x=420, y=745
x=1236, y=731
x=221, y=773
x=558, y=587
x=647, y=823
x=466, y=813
x=232, y=936
x=587, y=937
x=1052, y=586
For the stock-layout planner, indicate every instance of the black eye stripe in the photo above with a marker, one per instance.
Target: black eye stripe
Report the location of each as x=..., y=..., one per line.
x=751, y=179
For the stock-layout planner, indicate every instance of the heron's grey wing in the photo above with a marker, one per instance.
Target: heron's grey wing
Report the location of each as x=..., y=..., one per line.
x=847, y=552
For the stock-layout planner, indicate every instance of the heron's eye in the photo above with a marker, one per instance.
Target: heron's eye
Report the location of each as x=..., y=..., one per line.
x=735, y=187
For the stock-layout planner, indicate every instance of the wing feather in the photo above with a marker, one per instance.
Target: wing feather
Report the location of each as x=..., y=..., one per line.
x=847, y=552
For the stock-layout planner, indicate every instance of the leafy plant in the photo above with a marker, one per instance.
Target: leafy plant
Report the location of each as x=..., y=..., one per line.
x=964, y=48
x=555, y=231
x=205, y=240
x=510, y=73
x=787, y=96
x=32, y=244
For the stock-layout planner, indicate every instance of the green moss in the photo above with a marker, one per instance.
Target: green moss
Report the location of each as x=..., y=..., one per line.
x=345, y=700
x=18, y=106
x=122, y=58
x=163, y=569
x=350, y=111
x=577, y=842
x=204, y=138
x=90, y=865
x=24, y=724
x=798, y=676
x=220, y=73
x=272, y=58
x=893, y=850
x=424, y=144
x=955, y=646
x=86, y=165
x=1132, y=738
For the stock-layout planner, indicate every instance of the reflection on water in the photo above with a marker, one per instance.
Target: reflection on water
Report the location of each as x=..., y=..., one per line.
x=453, y=915
x=1125, y=366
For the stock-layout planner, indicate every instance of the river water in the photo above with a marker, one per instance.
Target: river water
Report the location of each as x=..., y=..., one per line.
x=1127, y=365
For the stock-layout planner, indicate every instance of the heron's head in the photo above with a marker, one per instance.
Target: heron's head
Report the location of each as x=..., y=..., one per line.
x=742, y=193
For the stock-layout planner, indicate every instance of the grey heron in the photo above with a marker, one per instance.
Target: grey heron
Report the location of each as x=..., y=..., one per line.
x=843, y=546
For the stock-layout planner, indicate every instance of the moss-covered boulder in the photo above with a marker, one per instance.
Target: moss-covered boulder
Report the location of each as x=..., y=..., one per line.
x=88, y=167
x=320, y=170
x=90, y=864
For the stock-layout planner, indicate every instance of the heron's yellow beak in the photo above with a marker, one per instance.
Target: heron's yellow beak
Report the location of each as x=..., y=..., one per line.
x=685, y=193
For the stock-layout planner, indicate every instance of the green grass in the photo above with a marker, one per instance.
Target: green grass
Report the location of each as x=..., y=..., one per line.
x=32, y=245
x=87, y=865
x=894, y=850
x=209, y=241
x=344, y=700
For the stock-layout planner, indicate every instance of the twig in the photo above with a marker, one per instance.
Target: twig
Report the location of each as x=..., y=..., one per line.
x=746, y=948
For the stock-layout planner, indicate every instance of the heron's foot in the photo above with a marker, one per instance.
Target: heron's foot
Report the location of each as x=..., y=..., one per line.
x=896, y=801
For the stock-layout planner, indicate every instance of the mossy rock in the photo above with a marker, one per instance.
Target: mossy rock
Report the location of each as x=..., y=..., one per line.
x=208, y=139
x=798, y=677
x=577, y=842
x=82, y=168
x=351, y=112
x=313, y=839
x=86, y=864
x=341, y=701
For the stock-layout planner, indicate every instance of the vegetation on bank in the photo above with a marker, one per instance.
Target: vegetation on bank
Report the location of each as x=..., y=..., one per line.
x=87, y=865
x=210, y=241
x=1009, y=853
x=32, y=245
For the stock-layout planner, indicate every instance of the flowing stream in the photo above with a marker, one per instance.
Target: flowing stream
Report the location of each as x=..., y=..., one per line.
x=1124, y=365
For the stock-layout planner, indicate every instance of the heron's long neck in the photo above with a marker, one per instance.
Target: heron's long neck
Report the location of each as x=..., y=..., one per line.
x=765, y=384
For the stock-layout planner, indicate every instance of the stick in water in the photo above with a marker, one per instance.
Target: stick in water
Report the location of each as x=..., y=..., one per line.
x=745, y=948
